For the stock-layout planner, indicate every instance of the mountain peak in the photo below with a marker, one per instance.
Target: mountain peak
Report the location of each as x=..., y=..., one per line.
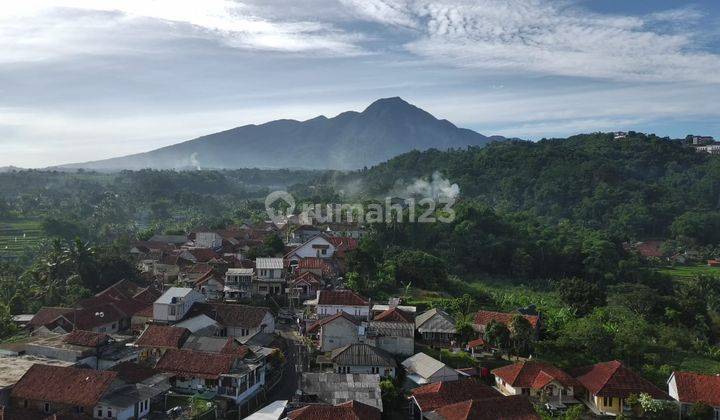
x=385, y=103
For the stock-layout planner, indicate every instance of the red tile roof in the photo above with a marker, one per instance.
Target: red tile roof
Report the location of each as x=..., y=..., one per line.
x=612, y=379
x=47, y=315
x=146, y=312
x=394, y=315
x=516, y=407
x=351, y=410
x=535, y=375
x=650, y=249
x=484, y=318
x=203, y=254
x=694, y=387
x=195, y=363
x=342, y=243
x=313, y=263
x=63, y=385
x=319, y=323
x=433, y=396
x=478, y=342
x=86, y=338
x=307, y=277
x=341, y=298
x=133, y=373
x=161, y=336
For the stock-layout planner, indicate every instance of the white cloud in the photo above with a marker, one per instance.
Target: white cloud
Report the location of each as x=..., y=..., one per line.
x=40, y=29
x=549, y=37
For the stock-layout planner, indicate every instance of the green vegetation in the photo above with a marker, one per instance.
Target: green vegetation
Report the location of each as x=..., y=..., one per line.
x=19, y=236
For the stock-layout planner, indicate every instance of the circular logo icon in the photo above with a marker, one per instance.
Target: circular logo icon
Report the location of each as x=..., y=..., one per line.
x=278, y=212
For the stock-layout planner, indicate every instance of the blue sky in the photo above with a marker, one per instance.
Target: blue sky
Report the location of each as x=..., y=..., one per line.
x=91, y=79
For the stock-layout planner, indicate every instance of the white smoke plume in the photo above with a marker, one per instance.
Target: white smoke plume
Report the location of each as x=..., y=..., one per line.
x=437, y=187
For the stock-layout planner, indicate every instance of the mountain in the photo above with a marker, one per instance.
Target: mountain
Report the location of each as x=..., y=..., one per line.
x=351, y=140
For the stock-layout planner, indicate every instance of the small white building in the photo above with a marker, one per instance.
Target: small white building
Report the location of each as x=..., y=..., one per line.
x=318, y=246
x=422, y=370
x=331, y=302
x=174, y=304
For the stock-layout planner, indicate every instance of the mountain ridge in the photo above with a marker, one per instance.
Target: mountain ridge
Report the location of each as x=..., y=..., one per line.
x=350, y=140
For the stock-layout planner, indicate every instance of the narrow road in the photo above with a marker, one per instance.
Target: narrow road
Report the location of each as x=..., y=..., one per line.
x=285, y=390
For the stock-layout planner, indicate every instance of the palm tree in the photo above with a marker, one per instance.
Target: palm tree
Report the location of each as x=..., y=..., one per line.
x=81, y=256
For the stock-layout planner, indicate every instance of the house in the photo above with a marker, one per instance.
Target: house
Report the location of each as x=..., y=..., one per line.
x=211, y=285
x=483, y=319
x=239, y=321
x=393, y=331
x=335, y=331
x=713, y=149
x=220, y=345
x=318, y=246
x=608, y=384
x=175, y=303
x=201, y=325
x=55, y=390
x=363, y=358
x=689, y=388
x=238, y=284
x=436, y=326
x=12, y=368
x=330, y=302
x=338, y=388
x=229, y=375
x=476, y=347
x=100, y=317
x=303, y=233
x=536, y=380
x=305, y=286
x=351, y=410
x=157, y=339
x=270, y=277
x=211, y=240
x=431, y=397
x=422, y=369
x=321, y=267
x=516, y=407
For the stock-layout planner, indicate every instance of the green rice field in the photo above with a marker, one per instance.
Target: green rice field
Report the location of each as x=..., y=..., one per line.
x=688, y=272
x=17, y=236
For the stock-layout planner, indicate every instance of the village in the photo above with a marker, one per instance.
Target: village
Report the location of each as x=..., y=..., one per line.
x=211, y=334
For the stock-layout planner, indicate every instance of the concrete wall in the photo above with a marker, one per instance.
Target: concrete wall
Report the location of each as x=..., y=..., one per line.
x=338, y=333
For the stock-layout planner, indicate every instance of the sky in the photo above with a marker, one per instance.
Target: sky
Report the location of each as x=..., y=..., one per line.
x=90, y=79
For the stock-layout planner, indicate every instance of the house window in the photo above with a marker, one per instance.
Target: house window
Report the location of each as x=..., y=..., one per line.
x=375, y=369
x=25, y=403
x=100, y=412
x=109, y=412
x=607, y=401
x=323, y=251
x=172, y=310
x=46, y=407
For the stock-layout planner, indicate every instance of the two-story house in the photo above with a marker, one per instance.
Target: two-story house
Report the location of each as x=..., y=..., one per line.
x=175, y=303
x=238, y=284
x=270, y=276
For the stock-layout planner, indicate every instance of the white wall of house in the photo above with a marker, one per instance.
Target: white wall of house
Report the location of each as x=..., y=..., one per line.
x=239, y=332
x=404, y=346
x=338, y=333
x=316, y=247
x=169, y=312
x=330, y=310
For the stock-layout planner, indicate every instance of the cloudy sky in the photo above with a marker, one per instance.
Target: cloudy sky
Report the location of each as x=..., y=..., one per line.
x=90, y=79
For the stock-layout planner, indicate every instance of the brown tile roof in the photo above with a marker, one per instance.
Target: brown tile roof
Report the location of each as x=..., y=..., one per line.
x=612, y=379
x=361, y=354
x=195, y=363
x=133, y=373
x=95, y=316
x=145, y=312
x=313, y=263
x=394, y=315
x=478, y=342
x=694, y=388
x=63, y=385
x=351, y=410
x=162, y=336
x=433, y=396
x=47, y=315
x=651, y=249
x=342, y=243
x=86, y=338
x=532, y=374
x=484, y=318
x=320, y=322
x=341, y=298
x=307, y=277
x=203, y=254
x=243, y=316
x=516, y=407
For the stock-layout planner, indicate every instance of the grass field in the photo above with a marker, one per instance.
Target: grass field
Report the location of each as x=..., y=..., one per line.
x=17, y=236
x=684, y=273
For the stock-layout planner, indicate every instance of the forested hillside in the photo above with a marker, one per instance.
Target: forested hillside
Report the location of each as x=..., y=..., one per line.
x=632, y=188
